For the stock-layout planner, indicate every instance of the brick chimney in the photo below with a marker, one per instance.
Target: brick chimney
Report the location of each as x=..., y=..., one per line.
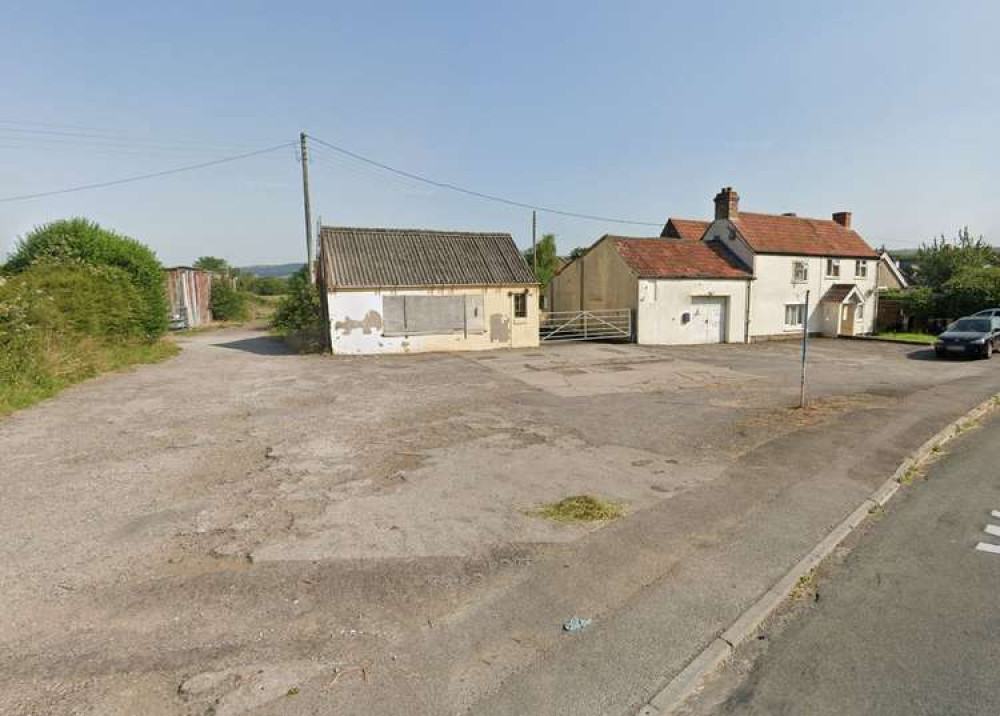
x=843, y=218
x=727, y=204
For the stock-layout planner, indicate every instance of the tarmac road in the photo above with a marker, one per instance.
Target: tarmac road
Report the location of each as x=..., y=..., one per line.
x=907, y=624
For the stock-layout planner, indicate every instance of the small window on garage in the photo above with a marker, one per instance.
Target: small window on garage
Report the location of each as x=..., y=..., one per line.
x=795, y=315
x=520, y=305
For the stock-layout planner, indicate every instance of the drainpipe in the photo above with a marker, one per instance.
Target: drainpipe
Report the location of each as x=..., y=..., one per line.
x=746, y=320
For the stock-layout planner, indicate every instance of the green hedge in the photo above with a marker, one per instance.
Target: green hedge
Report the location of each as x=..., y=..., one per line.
x=60, y=324
x=82, y=242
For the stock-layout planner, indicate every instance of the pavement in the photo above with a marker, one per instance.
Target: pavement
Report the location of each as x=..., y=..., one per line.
x=904, y=621
x=245, y=530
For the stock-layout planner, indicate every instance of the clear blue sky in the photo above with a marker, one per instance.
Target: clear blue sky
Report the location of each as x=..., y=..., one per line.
x=639, y=110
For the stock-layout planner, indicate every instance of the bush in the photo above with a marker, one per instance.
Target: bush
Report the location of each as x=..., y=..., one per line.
x=300, y=310
x=60, y=324
x=228, y=304
x=79, y=241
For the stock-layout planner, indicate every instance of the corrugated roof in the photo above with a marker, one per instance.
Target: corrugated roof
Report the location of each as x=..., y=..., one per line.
x=678, y=258
x=774, y=234
x=374, y=258
x=685, y=228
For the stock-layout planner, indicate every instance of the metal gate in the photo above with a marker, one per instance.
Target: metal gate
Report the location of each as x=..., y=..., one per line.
x=608, y=325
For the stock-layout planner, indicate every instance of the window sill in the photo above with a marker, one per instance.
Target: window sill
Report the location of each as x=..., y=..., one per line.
x=458, y=332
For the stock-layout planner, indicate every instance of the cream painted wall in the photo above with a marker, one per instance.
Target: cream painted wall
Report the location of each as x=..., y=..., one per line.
x=663, y=302
x=607, y=282
x=774, y=289
x=356, y=322
x=722, y=230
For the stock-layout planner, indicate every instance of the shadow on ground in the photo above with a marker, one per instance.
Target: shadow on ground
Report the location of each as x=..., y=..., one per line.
x=263, y=345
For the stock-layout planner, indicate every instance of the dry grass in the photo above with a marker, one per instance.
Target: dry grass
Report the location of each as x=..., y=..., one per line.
x=581, y=508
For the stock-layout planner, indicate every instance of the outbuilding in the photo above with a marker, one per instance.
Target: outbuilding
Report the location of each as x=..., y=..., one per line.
x=679, y=290
x=417, y=290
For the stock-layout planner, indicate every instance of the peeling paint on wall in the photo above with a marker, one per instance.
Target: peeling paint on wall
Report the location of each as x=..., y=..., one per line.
x=372, y=321
x=499, y=328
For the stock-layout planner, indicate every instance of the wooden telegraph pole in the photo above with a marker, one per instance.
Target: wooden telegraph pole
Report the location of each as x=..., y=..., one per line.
x=310, y=268
x=534, y=247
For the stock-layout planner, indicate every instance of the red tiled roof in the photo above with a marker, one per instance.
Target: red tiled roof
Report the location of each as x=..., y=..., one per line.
x=678, y=258
x=773, y=234
x=684, y=228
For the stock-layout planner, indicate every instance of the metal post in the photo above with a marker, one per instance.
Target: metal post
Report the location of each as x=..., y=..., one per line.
x=805, y=347
x=310, y=267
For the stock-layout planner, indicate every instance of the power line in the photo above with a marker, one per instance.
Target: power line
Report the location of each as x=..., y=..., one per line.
x=479, y=194
x=151, y=175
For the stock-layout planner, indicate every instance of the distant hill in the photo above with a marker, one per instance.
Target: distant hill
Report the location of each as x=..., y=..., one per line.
x=272, y=270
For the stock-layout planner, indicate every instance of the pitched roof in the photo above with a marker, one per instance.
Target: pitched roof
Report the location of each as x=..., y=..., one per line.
x=838, y=292
x=678, y=258
x=375, y=258
x=893, y=268
x=774, y=234
x=685, y=228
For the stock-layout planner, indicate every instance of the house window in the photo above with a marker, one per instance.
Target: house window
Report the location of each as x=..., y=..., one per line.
x=833, y=268
x=800, y=271
x=520, y=305
x=860, y=312
x=860, y=269
x=795, y=315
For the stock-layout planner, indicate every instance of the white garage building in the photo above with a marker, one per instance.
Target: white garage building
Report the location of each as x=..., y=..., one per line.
x=414, y=290
x=679, y=290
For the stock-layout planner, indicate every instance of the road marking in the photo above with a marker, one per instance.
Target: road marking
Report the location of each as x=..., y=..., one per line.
x=995, y=513
x=992, y=548
x=993, y=530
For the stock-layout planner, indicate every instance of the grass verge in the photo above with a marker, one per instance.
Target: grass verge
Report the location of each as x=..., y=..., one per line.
x=581, y=508
x=63, y=366
x=914, y=337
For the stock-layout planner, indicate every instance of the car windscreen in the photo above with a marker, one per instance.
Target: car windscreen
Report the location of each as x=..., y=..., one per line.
x=970, y=325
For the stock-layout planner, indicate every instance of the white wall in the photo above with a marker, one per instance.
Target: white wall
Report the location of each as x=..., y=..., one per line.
x=356, y=322
x=722, y=230
x=774, y=288
x=662, y=303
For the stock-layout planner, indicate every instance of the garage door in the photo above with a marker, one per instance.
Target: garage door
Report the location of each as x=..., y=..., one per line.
x=708, y=319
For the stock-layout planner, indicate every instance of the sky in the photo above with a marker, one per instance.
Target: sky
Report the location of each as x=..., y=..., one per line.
x=634, y=110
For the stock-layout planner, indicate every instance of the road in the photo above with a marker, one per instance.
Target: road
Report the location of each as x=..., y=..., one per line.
x=213, y=533
x=907, y=623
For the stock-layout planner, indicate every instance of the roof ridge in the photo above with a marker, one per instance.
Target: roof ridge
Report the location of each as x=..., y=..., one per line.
x=408, y=230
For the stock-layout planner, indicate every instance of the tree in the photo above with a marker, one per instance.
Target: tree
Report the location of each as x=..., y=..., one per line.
x=82, y=242
x=213, y=264
x=577, y=252
x=300, y=310
x=548, y=260
x=941, y=260
x=228, y=303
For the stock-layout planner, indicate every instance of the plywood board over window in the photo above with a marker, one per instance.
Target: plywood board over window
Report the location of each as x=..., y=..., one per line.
x=430, y=315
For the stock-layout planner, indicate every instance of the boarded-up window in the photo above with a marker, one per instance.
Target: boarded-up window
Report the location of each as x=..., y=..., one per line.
x=405, y=315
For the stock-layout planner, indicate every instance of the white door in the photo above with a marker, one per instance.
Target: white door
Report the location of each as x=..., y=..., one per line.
x=708, y=319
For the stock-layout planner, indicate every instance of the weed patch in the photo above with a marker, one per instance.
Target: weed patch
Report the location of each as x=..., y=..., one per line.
x=581, y=508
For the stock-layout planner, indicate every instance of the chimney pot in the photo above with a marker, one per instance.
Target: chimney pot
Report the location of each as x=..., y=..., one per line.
x=727, y=204
x=843, y=218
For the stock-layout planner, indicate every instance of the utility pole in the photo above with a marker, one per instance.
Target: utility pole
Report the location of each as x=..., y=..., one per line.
x=534, y=248
x=310, y=268
x=805, y=346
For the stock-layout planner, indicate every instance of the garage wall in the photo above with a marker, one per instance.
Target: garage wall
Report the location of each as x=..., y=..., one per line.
x=663, y=302
x=602, y=277
x=371, y=321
